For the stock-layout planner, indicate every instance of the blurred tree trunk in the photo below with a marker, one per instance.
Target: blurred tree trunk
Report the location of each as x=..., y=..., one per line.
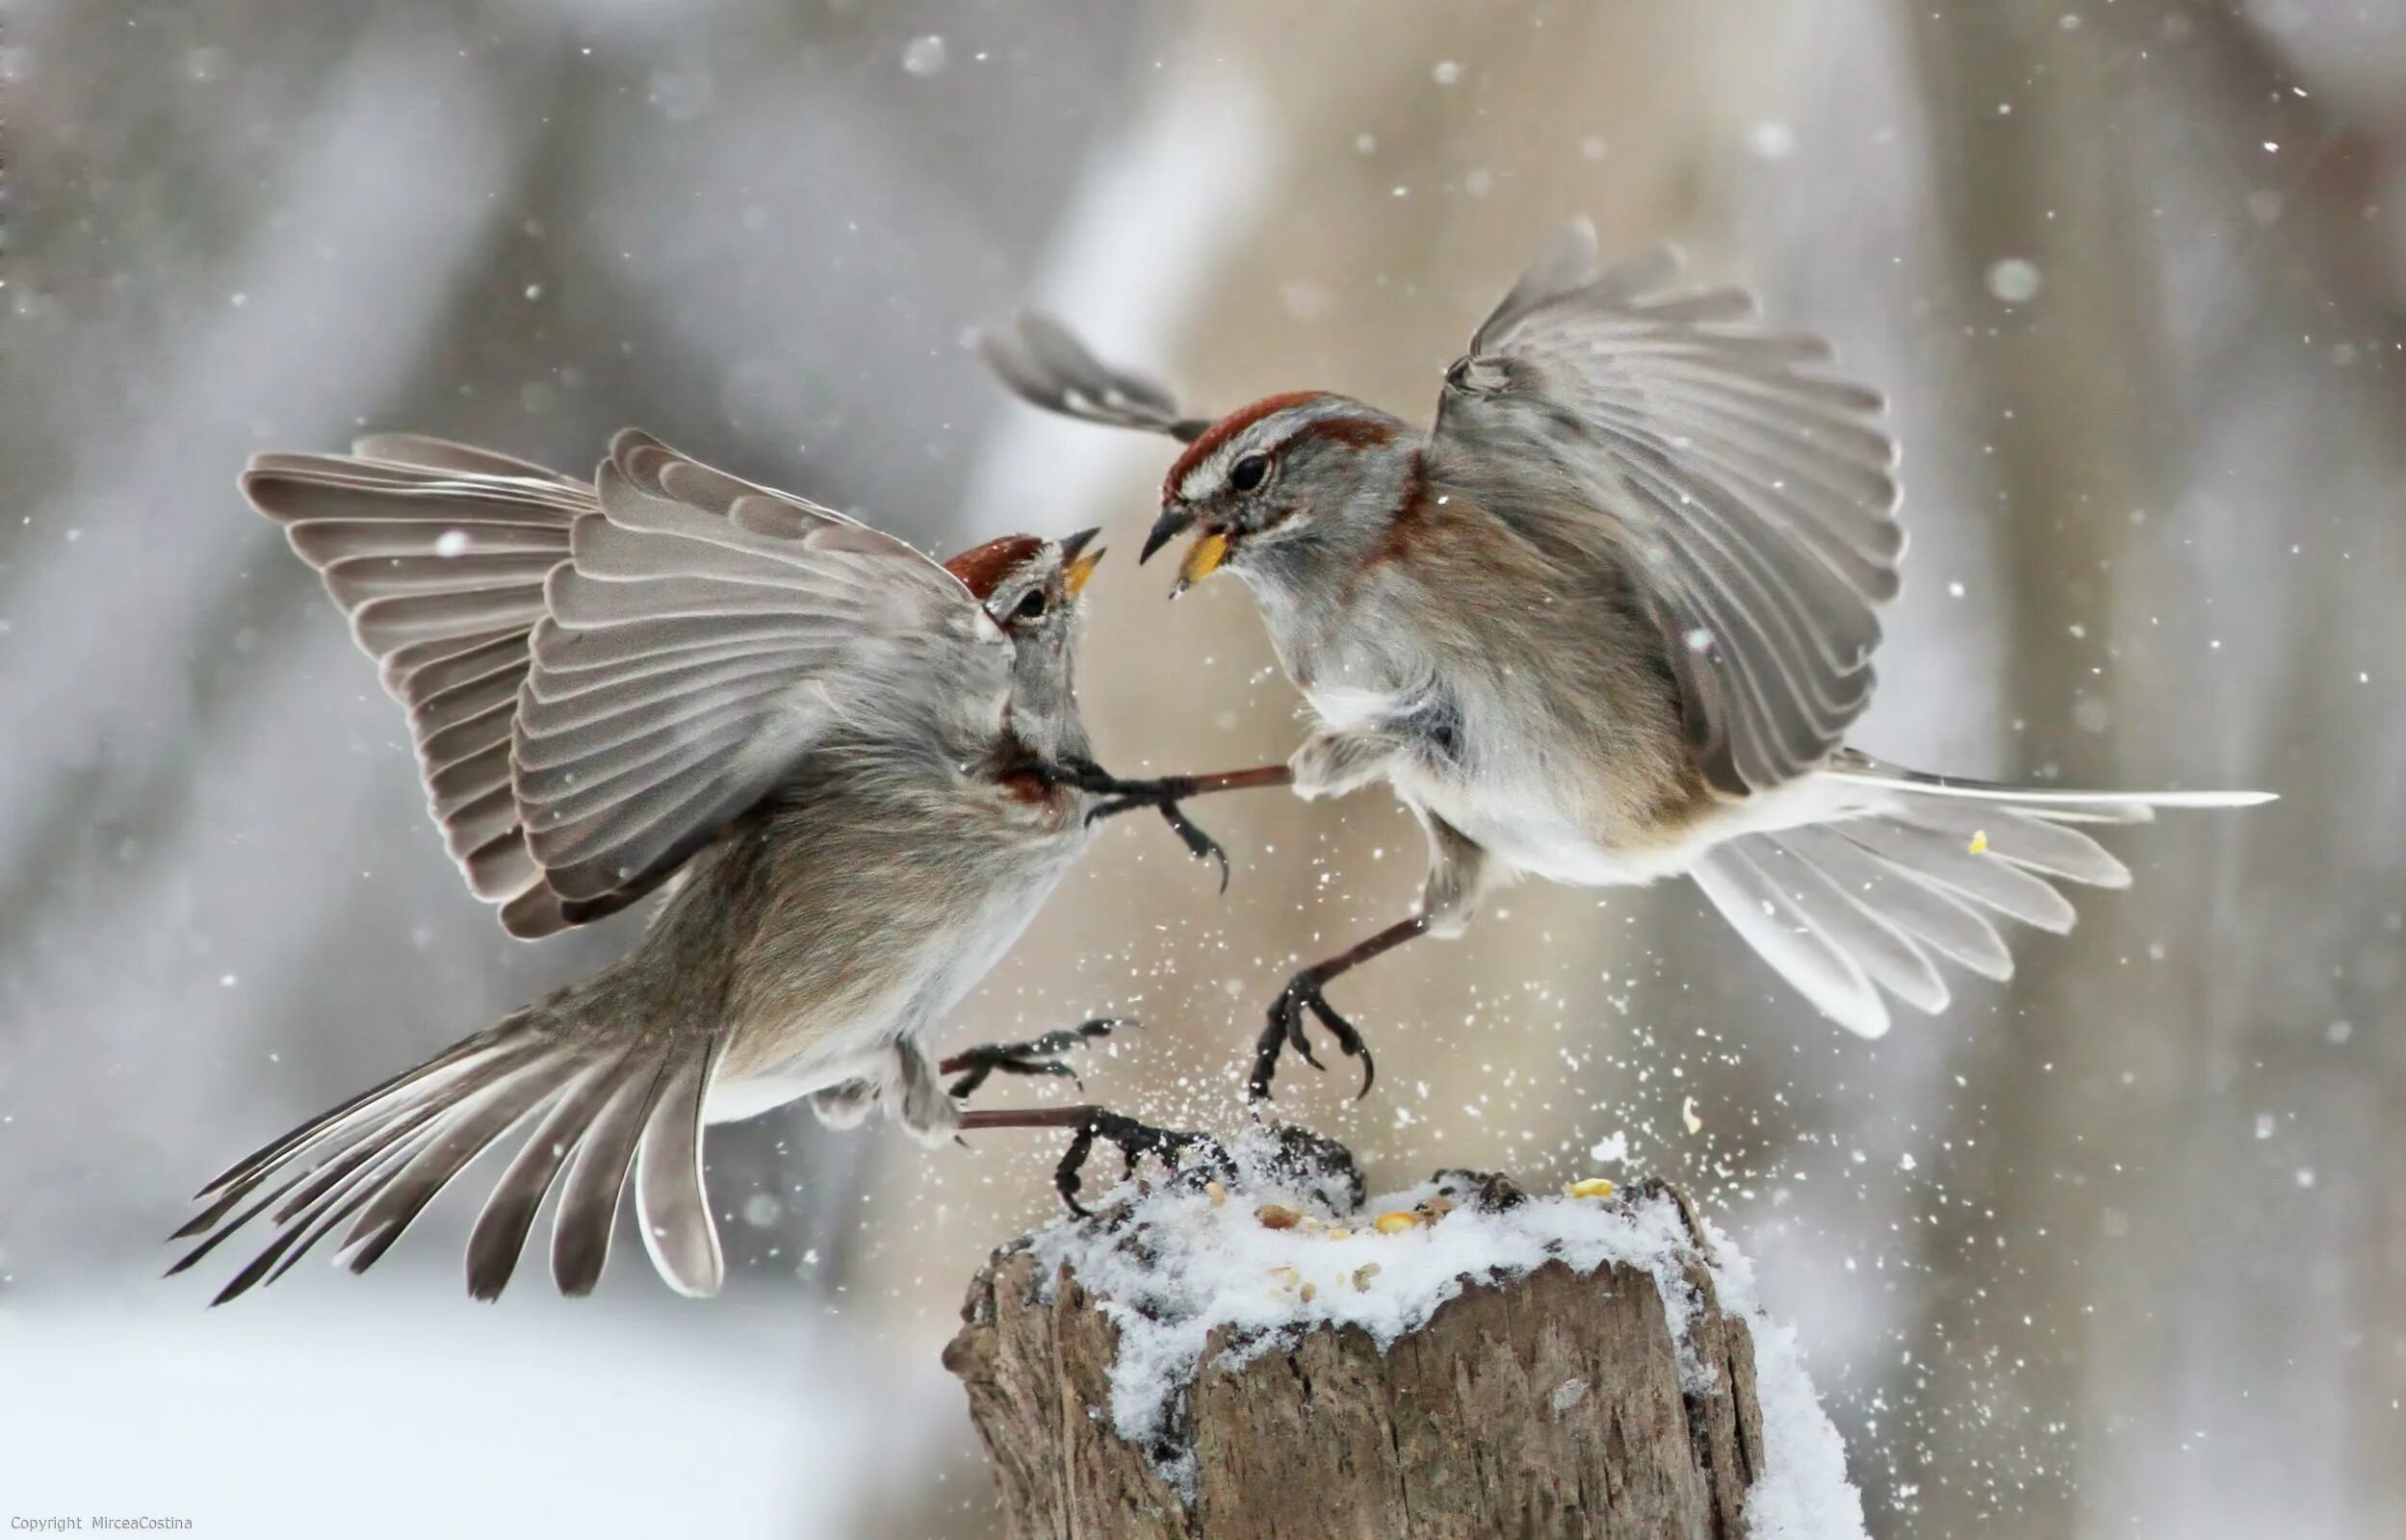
x=2171, y=1069
x=2037, y=188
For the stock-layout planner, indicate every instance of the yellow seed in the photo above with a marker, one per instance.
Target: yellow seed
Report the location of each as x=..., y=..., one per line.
x=1592, y=1186
x=1310, y=1290
x=1219, y=1195
x=1396, y=1222
x=1285, y=1275
x=1276, y=1216
x=1337, y=1232
x=1311, y=1223
x=1364, y=1274
x=1980, y=841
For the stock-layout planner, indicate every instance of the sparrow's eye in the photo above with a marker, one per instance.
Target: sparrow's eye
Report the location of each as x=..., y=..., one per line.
x=1032, y=607
x=1248, y=472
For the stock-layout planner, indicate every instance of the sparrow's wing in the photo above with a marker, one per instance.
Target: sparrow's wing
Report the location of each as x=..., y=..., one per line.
x=1667, y=429
x=437, y=553
x=705, y=634
x=1044, y=363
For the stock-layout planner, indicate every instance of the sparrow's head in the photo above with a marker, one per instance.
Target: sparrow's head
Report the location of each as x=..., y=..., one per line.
x=1284, y=479
x=1030, y=588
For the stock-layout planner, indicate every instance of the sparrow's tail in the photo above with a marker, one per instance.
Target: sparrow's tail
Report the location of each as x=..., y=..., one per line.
x=1871, y=899
x=599, y=1108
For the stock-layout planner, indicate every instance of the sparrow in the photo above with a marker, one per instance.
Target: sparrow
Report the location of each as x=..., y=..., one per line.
x=1607, y=621
x=847, y=774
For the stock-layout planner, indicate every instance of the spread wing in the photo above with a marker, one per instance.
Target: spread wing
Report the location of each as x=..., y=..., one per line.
x=437, y=553
x=598, y=678
x=704, y=636
x=1753, y=493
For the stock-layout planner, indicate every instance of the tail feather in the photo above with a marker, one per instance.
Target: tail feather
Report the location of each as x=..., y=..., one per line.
x=500, y=1236
x=1947, y=924
x=1987, y=878
x=1887, y=956
x=1804, y=957
x=328, y=1201
x=463, y=1133
x=2036, y=839
x=375, y=1163
x=247, y=1171
x=300, y=1191
x=597, y=1174
x=1870, y=899
x=669, y=1201
x=2120, y=807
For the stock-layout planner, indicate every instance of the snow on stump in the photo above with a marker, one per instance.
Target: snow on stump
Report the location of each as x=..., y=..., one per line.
x=1272, y=1357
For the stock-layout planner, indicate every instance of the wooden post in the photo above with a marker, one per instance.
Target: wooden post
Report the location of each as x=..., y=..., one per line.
x=1552, y=1403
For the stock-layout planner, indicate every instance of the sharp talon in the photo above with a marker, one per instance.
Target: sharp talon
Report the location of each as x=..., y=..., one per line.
x=1133, y=1140
x=1200, y=845
x=1297, y=1035
x=1348, y=1038
x=1162, y=794
x=1287, y=1029
x=1038, y=1056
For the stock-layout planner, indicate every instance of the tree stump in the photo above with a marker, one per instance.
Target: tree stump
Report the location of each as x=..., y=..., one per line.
x=1561, y=1400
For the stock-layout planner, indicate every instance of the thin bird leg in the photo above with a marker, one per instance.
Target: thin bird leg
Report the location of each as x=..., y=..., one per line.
x=1303, y=993
x=1131, y=1138
x=1038, y=1056
x=1166, y=792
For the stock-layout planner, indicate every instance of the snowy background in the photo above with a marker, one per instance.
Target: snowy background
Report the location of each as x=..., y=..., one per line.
x=2117, y=1250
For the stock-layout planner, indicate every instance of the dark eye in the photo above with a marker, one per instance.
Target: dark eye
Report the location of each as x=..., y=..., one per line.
x=1246, y=474
x=1032, y=607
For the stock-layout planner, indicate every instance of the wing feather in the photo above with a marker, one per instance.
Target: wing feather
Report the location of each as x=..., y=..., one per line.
x=705, y=636
x=438, y=554
x=1045, y=364
x=1754, y=492
x=598, y=675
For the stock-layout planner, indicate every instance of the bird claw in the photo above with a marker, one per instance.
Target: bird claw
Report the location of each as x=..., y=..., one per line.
x=1286, y=1029
x=1038, y=1056
x=1163, y=794
x=1133, y=1140
x=1199, y=844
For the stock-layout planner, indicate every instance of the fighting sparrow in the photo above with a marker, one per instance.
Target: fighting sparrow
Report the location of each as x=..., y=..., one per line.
x=848, y=771
x=1606, y=621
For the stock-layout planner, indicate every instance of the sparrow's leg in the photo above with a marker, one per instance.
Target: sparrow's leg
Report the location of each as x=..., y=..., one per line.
x=1303, y=993
x=1166, y=792
x=917, y=1097
x=847, y=1105
x=1131, y=1139
x=1460, y=873
x=1038, y=1056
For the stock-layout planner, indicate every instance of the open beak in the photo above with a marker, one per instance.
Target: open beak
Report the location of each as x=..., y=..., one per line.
x=1077, y=563
x=1203, y=558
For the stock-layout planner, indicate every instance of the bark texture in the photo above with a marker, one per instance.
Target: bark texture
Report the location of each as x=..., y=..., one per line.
x=1545, y=1405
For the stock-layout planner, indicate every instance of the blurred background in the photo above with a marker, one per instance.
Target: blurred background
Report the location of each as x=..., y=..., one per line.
x=2119, y=1249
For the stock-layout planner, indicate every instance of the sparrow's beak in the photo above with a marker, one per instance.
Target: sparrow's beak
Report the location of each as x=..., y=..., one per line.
x=1077, y=563
x=1203, y=558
